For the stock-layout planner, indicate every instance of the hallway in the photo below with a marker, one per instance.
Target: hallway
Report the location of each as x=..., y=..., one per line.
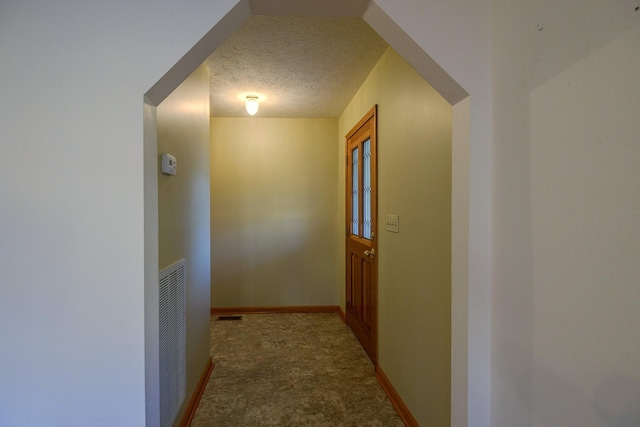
x=291, y=370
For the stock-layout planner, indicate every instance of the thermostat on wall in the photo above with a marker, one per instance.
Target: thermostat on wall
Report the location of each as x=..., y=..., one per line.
x=169, y=164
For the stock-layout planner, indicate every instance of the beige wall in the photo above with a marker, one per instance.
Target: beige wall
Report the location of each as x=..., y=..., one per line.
x=273, y=204
x=414, y=270
x=183, y=208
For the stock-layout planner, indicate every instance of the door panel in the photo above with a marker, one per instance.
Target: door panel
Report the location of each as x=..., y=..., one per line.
x=356, y=286
x=361, y=227
x=366, y=294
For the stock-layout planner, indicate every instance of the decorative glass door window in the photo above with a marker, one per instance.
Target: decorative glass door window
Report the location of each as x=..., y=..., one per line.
x=366, y=190
x=355, y=193
x=361, y=221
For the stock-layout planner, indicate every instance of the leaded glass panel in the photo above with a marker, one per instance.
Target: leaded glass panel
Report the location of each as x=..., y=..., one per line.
x=366, y=189
x=355, y=190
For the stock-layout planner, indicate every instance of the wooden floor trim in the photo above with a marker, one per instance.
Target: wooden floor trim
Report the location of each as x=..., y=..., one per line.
x=343, y=316
x=395, y=399
x=190, y=411
x=274, y=310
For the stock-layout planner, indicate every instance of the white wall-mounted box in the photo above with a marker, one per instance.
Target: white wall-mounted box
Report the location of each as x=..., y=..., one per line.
x=169, y=164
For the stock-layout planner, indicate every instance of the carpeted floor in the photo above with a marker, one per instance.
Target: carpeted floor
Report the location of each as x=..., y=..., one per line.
x=291, y=370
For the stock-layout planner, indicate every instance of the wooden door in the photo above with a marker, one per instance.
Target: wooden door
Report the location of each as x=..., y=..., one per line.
x=361, y=237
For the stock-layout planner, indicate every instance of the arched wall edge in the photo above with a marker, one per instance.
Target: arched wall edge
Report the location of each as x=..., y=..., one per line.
x=468, y=402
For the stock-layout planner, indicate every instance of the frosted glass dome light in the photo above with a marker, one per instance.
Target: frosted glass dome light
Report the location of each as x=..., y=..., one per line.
x=252, y=105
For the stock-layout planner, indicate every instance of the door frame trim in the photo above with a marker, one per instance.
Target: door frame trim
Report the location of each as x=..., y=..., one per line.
x=371, y=114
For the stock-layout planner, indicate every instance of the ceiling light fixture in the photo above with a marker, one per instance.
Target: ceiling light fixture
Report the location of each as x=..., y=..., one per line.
x=252, y=105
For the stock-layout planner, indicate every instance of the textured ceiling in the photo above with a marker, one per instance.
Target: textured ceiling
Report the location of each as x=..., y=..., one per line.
x=299, y=67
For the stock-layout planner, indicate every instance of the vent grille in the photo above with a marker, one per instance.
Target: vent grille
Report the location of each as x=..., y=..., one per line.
x=172, y=342
x=234, y=317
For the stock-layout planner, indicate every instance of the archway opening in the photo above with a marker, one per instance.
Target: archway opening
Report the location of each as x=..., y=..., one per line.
x=414, y=55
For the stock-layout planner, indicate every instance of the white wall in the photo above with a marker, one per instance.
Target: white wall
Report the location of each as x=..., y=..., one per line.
x=72, y=308
x=183, y=209
x=273, y=203
x=566, y=347
x=65, y=310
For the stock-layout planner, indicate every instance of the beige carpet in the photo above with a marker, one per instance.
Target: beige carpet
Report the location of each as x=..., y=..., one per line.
x=291, y=370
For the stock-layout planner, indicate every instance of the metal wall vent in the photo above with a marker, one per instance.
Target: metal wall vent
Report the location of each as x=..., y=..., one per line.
x=173, y=380
x=232, y=317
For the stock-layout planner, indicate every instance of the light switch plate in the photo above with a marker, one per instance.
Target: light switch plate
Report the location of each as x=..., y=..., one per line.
x=393, y=223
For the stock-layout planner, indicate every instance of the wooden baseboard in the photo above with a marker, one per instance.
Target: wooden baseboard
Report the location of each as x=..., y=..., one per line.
x=395, y=399
x=190, y=411
x=274, y=310
x=343, y=316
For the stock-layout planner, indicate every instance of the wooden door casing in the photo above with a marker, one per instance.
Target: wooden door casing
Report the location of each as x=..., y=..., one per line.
x=361, y=252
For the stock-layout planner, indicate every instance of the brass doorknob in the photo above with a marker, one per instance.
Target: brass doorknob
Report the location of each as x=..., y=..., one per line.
x=370, y=253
